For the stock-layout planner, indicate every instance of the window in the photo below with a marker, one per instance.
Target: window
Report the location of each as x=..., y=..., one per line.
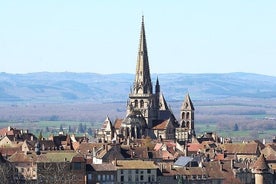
x=129, y=177
x=183, y=115
x=122, y=171
x=141, y=178
x=188, y=115
x=152, y=178
x=89, y=176
x=141, y=104
x=136, y=103
x=148, y=171
x=122, y=178
x=99, y=177
x=77, y=166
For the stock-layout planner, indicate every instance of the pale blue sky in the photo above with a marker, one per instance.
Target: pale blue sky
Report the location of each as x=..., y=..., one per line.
x=102, y=36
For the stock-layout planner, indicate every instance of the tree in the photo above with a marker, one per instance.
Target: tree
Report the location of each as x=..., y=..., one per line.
x=70, y=129
x=81, y=129
x=40, y=137
x=47, y=129
x=236, y=127
x=61, y=128
x=8, y=172
x=90, y=131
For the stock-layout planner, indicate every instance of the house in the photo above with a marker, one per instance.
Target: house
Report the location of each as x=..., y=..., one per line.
x=241, y=151
x=136, y=171
x=101, y=173
x=62, y=167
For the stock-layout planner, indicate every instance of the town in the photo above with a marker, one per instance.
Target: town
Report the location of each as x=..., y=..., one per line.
x=149, y=145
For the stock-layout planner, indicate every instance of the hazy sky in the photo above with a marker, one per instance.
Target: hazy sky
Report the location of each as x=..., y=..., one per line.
x=102, y=36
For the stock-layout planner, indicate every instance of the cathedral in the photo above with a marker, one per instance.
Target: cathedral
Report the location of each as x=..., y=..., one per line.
x=147, y=112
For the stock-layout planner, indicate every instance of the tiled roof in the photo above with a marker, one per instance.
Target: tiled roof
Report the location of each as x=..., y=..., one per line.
x=162, y=126
x=261, y=164
x=47, y=144
x=3, y=131
x=135, y=164
x=240, y=148
x=58, y=156
x=195, y=147
x=118, y=123
x=85, y=147
x=8, y=151
x=158, y=146
x=22, y=157
x=104, y=167
x=167, y=155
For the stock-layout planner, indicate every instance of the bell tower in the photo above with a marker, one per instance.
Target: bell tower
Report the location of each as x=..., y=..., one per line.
x=186, y=129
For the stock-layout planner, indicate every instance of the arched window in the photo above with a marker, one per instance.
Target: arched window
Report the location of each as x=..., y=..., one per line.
x=136, y=103
x=141, y=104
x=183, y=115
x=187, y=115
x=188, y=124
x=183, y=124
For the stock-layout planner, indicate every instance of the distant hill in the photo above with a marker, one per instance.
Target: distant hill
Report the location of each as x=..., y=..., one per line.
x=77, y=87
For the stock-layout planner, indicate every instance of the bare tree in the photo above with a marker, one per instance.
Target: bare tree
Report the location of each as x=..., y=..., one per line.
x=55, y=173
x=8, y=173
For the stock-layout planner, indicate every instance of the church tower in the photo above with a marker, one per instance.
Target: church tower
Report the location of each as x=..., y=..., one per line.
x=186, y=130
x=141, y=97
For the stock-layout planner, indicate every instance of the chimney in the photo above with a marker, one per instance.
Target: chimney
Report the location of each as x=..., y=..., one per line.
x=221, y=165
x=161, y=168
x=232, y=164
x=115, y=162
x=186, y=150
x=32, y=137
x=94, y=152
x=200, y=164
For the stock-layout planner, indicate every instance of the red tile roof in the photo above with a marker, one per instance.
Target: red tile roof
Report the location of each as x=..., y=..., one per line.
x=194, y=147
x=240, y=148
x=118, y=123
x=261, y=164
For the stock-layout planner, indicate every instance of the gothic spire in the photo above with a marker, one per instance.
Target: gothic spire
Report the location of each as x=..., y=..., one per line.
x=157, y=86
x=142, y=83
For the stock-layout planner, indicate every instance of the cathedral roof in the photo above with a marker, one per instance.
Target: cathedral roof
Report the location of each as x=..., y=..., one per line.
x=162, y=125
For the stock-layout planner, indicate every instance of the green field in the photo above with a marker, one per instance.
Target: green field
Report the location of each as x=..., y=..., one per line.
x=239, y=135
x=52, y=127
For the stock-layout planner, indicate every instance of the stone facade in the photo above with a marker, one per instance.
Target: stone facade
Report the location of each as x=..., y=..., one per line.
x=147, y=111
